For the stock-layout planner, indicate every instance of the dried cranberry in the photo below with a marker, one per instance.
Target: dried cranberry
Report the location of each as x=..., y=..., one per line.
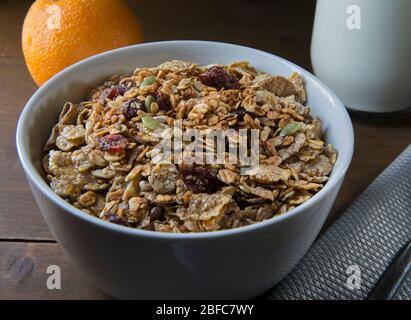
x=163, y=100
x=241, y=202
x=117, y=90
x=112, y=143
x=116, y=219
x=130, y=108
x=201, y=179
x=157, y=213
x=241, y=112
x=219, y=78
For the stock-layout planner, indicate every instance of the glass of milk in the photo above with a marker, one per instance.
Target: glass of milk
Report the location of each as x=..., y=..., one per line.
x=362, y=50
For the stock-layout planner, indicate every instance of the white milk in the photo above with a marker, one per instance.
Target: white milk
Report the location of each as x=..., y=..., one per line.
x=362, y=50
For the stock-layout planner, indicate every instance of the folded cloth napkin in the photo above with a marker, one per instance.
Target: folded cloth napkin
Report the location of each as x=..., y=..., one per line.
x=352, y=257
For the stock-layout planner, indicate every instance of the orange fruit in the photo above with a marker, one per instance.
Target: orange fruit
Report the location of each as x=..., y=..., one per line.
x=58, y=33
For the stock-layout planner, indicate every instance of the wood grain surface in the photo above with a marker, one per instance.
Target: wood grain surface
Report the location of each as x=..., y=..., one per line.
x=282, y=27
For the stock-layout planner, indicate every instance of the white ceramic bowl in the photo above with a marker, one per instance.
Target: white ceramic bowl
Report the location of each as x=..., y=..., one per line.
x=129, y=263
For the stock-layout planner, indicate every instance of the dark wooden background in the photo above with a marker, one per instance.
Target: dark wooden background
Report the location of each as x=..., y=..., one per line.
x=282, y=27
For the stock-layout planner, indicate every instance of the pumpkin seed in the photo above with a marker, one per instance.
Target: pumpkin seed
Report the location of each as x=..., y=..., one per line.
x=148, y=81
x=290, y=129
x=150, y=123
x=149, y=100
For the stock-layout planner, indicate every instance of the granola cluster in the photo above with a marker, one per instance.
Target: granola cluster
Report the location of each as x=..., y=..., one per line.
x=101, y=158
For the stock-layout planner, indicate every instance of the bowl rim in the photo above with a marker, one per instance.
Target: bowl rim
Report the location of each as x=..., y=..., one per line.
x=37, y=180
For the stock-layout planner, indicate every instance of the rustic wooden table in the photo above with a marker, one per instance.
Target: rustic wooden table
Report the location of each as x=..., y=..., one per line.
x=282, y=27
